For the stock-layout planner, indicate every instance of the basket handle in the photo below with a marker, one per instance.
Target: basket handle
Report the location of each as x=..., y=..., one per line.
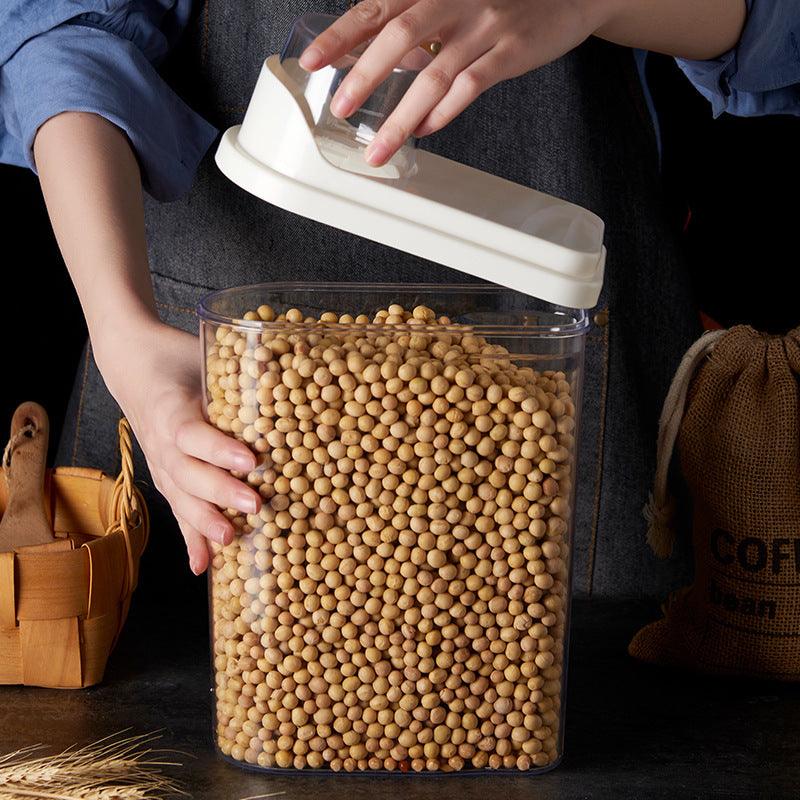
x=127, y=510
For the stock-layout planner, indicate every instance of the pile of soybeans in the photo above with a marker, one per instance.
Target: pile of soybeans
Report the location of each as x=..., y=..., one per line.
x=399, y=603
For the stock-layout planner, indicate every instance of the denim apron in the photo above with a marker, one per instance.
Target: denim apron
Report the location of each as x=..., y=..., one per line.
x=577, y=128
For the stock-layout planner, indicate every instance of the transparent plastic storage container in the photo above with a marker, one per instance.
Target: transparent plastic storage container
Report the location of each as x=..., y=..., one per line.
x=401, y=602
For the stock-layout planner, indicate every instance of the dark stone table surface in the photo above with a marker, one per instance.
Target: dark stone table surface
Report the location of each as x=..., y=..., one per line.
x=632, y=731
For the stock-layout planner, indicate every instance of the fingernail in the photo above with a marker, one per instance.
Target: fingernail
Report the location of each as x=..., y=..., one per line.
x=340, y=105
x=243, y=462
x=218, y=531
x=377, y=153
x=193, y=567
x=311, y=58
x=246, y=502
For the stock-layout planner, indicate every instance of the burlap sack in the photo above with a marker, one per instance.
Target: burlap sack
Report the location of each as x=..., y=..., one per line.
x=739, y=445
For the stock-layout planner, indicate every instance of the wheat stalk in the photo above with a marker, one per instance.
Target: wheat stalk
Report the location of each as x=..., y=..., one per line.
x=262, y=796
x=113, y=768
x=109, y=793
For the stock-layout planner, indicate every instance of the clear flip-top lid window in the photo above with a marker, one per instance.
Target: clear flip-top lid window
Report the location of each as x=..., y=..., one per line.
x=343, y=141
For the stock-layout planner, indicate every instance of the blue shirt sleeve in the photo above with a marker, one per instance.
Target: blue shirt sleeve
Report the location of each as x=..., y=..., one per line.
x=101, y=63
x=761, y=74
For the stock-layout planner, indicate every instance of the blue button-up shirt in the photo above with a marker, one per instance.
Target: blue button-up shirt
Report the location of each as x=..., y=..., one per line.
x=761, y=75
x=101, y=56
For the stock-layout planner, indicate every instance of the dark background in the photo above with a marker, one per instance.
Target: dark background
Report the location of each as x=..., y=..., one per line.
x=729, y=185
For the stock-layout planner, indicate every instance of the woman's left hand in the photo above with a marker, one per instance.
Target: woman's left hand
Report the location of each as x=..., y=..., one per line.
x=483, y=42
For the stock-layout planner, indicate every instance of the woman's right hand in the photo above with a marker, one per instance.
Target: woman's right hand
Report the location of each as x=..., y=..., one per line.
x=156, y=381
x=92, y=184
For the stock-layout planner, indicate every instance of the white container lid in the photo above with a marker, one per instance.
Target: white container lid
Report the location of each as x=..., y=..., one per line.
x=445, y=212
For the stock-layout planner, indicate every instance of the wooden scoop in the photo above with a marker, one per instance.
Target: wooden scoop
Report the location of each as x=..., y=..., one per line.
x=25, y=521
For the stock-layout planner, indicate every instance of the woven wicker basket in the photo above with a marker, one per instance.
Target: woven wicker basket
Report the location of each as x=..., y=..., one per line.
x=63, y=605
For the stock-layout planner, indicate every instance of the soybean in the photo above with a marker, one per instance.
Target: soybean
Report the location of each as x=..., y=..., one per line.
x=399, y=600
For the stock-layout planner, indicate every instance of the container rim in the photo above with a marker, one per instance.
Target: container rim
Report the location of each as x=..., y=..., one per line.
x=576, y=320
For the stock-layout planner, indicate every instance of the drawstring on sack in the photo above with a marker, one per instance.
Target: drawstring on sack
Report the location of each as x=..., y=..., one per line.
x=660, y=507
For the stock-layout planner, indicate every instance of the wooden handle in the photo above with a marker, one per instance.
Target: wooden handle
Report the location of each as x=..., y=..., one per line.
x=25, y=521
x=126, y=510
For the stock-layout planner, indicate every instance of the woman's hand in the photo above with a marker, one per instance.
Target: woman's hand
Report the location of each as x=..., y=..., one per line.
x=482, y=43
x=157, y=384
x=486, y=41
x=91, y=182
